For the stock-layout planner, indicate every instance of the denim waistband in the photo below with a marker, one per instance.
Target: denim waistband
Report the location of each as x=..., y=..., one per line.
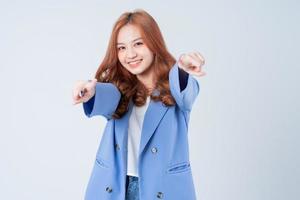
x=132, y=178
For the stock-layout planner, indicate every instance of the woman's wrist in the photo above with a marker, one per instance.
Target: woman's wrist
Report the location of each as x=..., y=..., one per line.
x=180, y=63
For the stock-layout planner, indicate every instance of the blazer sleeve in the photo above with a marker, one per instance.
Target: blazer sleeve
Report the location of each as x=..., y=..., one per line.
x=104, y=102
x=186, y=96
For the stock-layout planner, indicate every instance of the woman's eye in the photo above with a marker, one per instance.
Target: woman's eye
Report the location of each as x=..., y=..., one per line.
x=139, y=43
x=120, y=48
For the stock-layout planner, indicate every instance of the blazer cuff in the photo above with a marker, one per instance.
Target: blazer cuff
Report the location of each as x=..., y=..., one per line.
x=186, y=97
x=104, y=102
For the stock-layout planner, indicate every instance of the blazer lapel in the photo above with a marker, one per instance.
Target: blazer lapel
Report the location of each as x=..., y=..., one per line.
x=153, y=116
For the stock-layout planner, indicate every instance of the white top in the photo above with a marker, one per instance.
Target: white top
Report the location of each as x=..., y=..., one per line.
x=134, y=136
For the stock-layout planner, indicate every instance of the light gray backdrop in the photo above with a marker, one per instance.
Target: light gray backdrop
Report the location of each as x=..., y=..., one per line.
x=244, y=129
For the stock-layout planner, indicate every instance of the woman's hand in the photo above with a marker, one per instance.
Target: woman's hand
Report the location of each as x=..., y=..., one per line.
x=192, y=63
x=83, y=91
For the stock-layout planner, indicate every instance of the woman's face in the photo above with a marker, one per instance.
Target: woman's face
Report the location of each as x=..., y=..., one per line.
x=133, y=53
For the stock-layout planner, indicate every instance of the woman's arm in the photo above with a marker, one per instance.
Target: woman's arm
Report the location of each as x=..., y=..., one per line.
x=186, y=94
x=104, y=102
x=184, y=87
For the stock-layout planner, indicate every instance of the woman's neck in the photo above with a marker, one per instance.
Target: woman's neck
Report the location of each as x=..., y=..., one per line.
x=147, y=80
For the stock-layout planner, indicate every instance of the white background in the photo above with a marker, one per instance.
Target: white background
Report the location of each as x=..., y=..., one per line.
x=244, y=129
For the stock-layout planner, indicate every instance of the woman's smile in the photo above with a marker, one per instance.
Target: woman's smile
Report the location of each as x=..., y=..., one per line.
x=135, y=63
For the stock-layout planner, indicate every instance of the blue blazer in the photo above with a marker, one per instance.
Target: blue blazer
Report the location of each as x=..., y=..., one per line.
x=163, y=165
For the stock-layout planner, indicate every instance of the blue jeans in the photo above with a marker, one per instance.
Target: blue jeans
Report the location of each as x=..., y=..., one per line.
x=132, y=188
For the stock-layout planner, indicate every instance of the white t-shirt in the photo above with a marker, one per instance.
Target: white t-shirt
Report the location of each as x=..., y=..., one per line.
x=134, y=136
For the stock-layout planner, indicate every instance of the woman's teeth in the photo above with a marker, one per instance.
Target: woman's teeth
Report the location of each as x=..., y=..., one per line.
x=135, y=63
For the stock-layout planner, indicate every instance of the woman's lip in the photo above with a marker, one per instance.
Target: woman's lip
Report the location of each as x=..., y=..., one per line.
x=138, y=62
x=134, y=61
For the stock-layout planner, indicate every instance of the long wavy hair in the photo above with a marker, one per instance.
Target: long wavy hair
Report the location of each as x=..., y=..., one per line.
x=111, y=70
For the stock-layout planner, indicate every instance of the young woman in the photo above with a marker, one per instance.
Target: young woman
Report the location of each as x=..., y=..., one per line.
x=146, y=97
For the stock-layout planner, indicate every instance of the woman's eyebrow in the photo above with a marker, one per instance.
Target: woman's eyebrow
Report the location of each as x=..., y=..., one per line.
x=132, y=40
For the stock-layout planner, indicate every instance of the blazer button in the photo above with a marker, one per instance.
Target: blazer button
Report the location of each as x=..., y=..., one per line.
x=160, y=195
x=108, y=189
x=154, y=150
x=117, y=146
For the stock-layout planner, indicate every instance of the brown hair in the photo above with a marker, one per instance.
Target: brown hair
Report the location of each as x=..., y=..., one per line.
x=111, y=70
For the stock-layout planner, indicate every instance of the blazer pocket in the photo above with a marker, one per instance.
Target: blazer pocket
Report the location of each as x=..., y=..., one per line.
x=100, y=162
x=178, y=168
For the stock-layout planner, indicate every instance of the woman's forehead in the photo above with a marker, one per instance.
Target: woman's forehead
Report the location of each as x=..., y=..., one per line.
x=128, y=34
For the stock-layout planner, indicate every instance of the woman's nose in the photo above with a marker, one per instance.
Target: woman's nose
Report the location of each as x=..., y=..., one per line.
x=131, y=53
